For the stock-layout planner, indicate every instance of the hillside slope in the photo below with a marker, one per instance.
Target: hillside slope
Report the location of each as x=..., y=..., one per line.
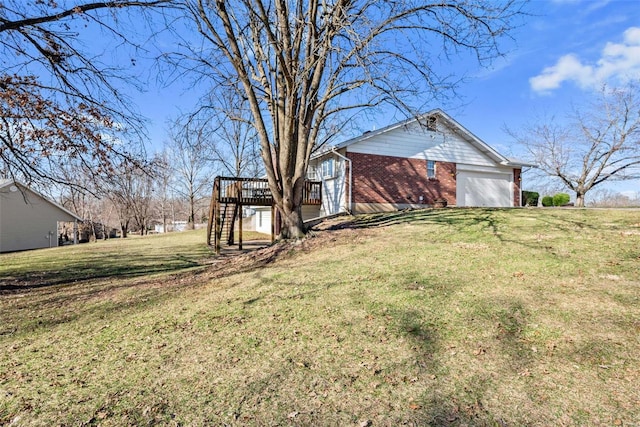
x=435, y=317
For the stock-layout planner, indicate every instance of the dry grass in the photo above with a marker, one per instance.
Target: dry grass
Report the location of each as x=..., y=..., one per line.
x=445, y=317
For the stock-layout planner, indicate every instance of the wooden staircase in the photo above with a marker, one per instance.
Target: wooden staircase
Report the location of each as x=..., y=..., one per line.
x=229, y=215
x=225, y=212
x=228, y=197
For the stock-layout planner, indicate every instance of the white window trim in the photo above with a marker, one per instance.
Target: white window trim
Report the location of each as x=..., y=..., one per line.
x=328, y=173
x=434, y=169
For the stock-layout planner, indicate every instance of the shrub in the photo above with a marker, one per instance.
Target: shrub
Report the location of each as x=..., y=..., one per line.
x=561, y=199
x=530, y=198
x=547, y=201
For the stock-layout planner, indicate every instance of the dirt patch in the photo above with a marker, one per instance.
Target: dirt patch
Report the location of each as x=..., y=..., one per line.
x=239, y=262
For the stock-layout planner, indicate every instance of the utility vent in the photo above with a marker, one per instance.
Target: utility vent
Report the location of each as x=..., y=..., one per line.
x=432, y=122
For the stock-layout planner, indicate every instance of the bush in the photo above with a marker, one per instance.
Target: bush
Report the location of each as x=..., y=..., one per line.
x=530, y=198
x=547, y=201
x=561, y=199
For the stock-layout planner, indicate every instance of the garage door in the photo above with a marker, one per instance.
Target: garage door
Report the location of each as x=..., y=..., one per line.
x=483, y=189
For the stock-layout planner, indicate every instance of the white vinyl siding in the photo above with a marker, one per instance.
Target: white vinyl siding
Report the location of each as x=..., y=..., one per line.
x=415, y=142
x=332, y=174
x=263, y=219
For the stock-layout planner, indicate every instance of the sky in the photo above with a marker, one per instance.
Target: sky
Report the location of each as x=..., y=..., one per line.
x=561, y=55
x=558, y=57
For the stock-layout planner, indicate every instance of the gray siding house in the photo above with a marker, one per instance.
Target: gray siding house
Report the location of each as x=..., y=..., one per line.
x=29, y=220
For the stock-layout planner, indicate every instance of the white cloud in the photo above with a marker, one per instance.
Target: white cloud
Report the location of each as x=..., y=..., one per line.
x=617, y=61
x=589, y=5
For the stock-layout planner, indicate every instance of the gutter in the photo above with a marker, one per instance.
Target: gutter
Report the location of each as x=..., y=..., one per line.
x=346, y=159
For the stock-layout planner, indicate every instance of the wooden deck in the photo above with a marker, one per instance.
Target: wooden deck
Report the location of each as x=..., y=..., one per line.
x=256, y=191
x=230, y=194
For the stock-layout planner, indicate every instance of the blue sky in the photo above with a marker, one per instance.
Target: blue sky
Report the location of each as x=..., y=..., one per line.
x=558, y=57
x=561, y=55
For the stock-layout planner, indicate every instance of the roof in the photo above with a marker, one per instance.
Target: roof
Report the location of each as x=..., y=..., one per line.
x=469, y=136
x=8, y=182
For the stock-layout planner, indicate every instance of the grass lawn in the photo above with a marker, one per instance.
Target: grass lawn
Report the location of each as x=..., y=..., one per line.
x=436, y=317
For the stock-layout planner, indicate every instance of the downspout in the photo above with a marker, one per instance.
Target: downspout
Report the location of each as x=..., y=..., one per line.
x=346, y=159
x=522, y=170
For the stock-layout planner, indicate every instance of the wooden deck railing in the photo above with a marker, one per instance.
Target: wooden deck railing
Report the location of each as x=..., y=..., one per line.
x=256, y=191
x=231, y=194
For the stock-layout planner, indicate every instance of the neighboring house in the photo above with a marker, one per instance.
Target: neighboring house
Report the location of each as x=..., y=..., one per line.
x=411, y=165
x=29, y=220
x=171, y=226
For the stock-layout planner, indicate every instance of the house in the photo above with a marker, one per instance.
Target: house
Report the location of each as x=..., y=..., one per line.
x=421, y=162
x=29, y=220
x=412, y=164
x=170, y=226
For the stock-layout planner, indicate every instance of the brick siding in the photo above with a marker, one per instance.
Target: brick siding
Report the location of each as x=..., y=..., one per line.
x=398, y=180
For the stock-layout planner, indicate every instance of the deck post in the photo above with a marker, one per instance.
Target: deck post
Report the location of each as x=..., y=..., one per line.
x=239, y=212
x=240, y=224
x=273, y=223
x=212, y=206
x=217, y=231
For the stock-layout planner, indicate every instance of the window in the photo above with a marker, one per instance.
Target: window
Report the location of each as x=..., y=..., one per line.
x=328, y=168
x=312, y=174
x=431, y=169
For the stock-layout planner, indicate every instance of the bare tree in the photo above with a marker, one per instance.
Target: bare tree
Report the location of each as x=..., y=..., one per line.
x=131, y=192
x=163, y=200
x=226, y=123
x=300, y=62
x=605, y=197
x=599, y=143
x=59, y=102
x=190, y=162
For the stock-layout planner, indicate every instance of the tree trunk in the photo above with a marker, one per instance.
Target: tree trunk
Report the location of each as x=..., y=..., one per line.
x=290, y=207
x=94, y=235
x=579, y=200
x=292, y=223
x=192, y=215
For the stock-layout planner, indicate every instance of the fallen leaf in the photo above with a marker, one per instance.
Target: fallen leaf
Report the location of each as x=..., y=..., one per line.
x=293, y=414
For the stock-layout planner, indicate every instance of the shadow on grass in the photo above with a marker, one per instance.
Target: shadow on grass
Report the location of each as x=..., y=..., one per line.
x=429, y=333
x=488, y=218
x=114, y=267
x=116, y=286
x=448, y=216
x=98, y=261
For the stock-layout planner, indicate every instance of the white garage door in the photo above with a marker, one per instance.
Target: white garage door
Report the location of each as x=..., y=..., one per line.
x=483, y=189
